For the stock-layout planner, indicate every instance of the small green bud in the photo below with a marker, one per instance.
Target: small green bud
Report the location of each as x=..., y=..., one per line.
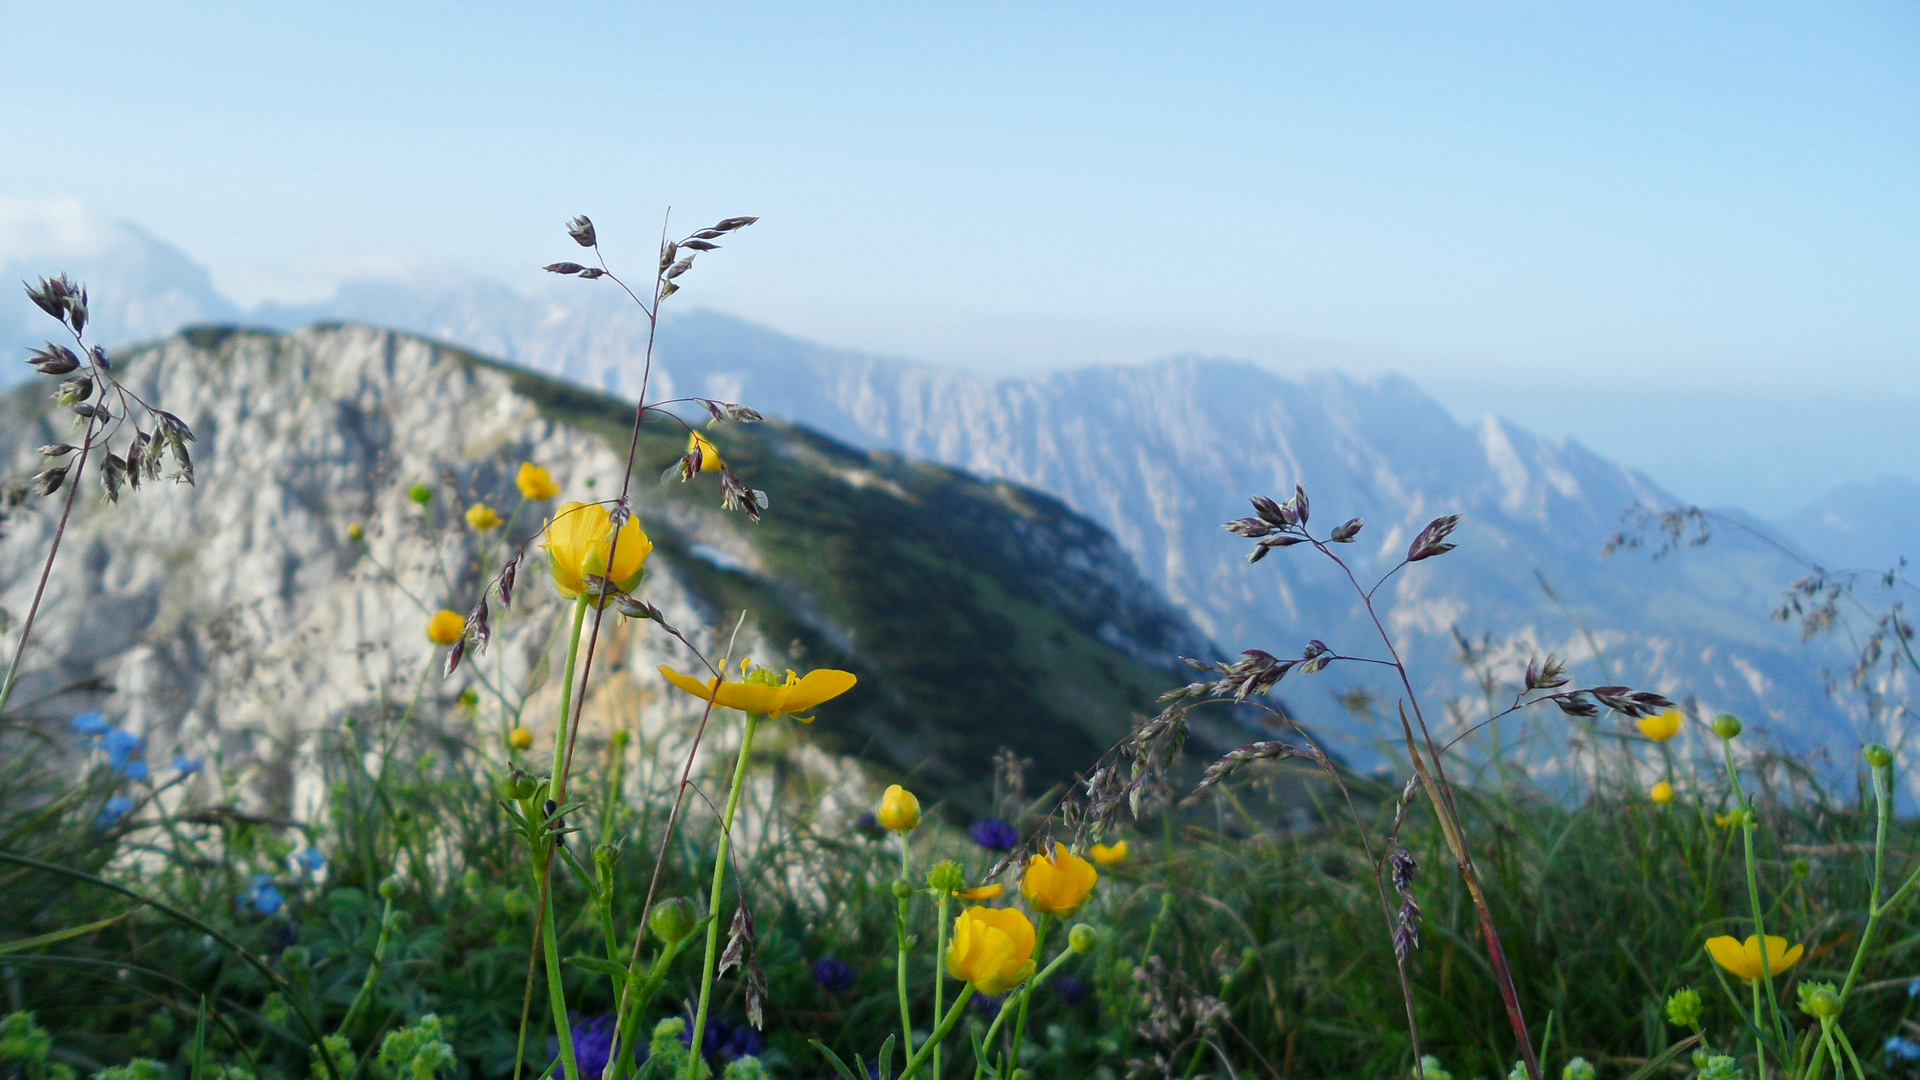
x=604, y=856
x=673, y=920
x=1819, y=999
x=621, y=738
x=297, y=957
x=1801, y=868
x=469, y=697
x=1577, y=1069
x=420, y=493
x=1430, y=1066
x=518, y=785
x=1700, y=1058
x=389, y=888
x=1081, y=938
x=1720, y=1067
x=1683, y=1008
x=901, y=890
x=946, y=877
x=1878, y=756
x=1518, y=1072
x=1727, y=726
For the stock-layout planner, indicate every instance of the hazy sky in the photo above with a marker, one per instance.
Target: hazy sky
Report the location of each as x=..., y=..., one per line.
x=1584, y=213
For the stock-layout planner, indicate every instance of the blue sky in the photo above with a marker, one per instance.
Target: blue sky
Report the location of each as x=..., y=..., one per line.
x=1601, y=219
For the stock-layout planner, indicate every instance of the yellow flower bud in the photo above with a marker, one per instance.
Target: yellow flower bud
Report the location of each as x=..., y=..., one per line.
x=1081, y=938
x=899, y=810
x=578, y=540
x=1661, y=726
x=520, y=738
x=992, y=949
x=356, y=532
x=1107, y=855
x=446, y=627
x=481, y=517
x=536, y=483
x=1058, y=883
x=1662, y=793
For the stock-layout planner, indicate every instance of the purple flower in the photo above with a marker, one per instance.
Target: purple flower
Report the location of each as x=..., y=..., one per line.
x=987, y=1005
x=1071, y=988
x=263, y=895
x=834, y=975
x=115, y=809
x=120, y=747
x=311, y=860
x=185, y=764
x=726, y=1038
x=592, y=1045
x=995, y=834
x=869, y=825
x=91, y=724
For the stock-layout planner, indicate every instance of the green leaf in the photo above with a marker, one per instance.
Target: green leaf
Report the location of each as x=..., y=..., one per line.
x=61, y=935
x=834, y=1060
x=1660, y=1061
x=616, y=972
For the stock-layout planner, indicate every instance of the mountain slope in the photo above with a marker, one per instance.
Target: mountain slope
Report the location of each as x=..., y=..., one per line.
x=237, y=614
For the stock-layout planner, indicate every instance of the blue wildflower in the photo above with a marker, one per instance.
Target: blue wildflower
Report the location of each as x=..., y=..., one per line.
x=1071, y=988
x=1913, y=989
x=91, y=724
x=593, y=1045
x=115, y=809
x=995, y=834
x=185, y=764
x=135, y=770
x=263, y=895
x=869, y=825
x=120, y=747
x=834, y=975
x=726, y=1038
x=311, y=860
x=1899, y=1046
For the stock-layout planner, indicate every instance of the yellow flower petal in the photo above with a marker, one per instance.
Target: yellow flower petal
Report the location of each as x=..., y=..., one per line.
x=1058, y=883
x=710, y=459
x=1743, y=958
x=578, y=540
x=481, y=517
x=983, y=892
x=1108, y=854
x=520, y=738
x=992, y=949
x=1661, y=726
x=1661, y=793
x=796, y=695
x=536, y=483
x=446, y=627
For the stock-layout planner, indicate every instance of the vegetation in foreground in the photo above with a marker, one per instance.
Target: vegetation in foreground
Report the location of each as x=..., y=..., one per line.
x=465, y=893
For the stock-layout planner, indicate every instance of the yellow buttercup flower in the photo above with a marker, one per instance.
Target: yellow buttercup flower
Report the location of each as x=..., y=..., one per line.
x=769, y=698
x=1744, y=959
x=481, y=517
x=520, y=738
x=446, y=627
x=1058, y=883
x=983, y=892
x=1661, y=793
x=578, y=539
x=1661, y=726
x=992, y=949
x=710, y=459
x=1108, y=854
x=899, y=810
x=536, y=483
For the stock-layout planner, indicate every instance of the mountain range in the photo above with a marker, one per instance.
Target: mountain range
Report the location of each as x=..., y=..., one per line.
x=1161, y=454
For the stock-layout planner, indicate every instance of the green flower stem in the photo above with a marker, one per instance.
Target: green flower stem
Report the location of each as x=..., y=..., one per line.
x=1875, y=909
x=994, y=1029
x=900, y=934
x=387, y=923
x=1753, y=896
x=713, y=908
x=939, y=1034
x=630, y=1023
x=1026, y=993
x=557, y=788
x=1847, y=1045
x=939, y=962
x=1759, y=1040
x=556, y=987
